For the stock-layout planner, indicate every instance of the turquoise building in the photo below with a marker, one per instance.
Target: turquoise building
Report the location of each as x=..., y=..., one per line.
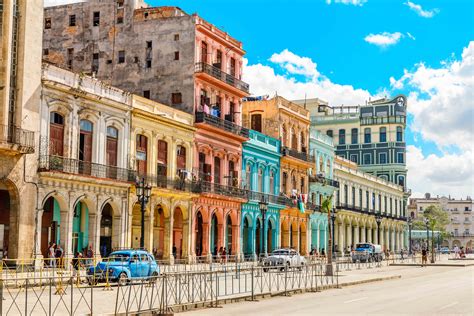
x=261, y=176
x=321, y=184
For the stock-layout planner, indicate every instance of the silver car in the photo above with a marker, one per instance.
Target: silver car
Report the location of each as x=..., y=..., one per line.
x=283, y=259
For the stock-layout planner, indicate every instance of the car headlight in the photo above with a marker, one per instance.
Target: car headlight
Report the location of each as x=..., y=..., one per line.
x=110, y=270
x=280, y=260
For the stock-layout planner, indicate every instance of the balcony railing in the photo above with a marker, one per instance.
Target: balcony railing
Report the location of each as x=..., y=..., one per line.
x=17, y=136
x=323, y=180
x=275, y=199
x=226, y=190
x=297, y=154
x=222, y=76
x=358, y=209
x=74, y=166
x=163, y=182
x=228, y=126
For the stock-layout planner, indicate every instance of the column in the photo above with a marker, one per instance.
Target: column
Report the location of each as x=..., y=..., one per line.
x=348, y=237
x=37, y=249
x=185, y=253
x=362, y=235
x=206, y=251
x=386, y=238
x=392, y=239
x=236, y=248
x=356, y=235
x=340, y=240
x=369, y=234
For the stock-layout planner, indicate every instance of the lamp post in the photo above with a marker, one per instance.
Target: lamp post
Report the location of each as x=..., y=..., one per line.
x=425, y=220
x=378, y=220
x=143, y=194
x=410, y=224
x=333, y=219
x=263, y=204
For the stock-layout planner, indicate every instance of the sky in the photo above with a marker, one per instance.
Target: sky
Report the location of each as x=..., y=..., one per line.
x=347, y=51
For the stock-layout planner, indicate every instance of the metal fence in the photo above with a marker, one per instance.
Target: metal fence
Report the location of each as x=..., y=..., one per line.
x=62, y=295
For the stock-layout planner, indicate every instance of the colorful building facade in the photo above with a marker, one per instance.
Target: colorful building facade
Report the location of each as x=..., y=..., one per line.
x=261, y=177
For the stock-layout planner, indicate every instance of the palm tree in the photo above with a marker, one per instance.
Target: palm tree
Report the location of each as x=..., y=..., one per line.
x=326, y=206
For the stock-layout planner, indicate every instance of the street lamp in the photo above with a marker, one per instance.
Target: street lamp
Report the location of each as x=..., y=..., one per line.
x=143, y=194
x=378, y=220
x=410, y=224
x=263, y=204
x=333, y=219
x=425, y=220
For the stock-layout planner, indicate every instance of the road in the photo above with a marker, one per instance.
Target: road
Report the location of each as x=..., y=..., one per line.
x=420, y=291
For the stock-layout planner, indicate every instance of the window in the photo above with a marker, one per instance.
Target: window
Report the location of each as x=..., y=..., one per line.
x=367, y=136
x=329, y=133
x=345, y=194
x=354, y=158
x=399, y=134
x=367, y=159
x=95, y=62
x=360, y=198
x=367, y=200
x=284, y=181
x=385, y=204
x=176, y=98
x=272, y=182
x=149, y=44
x=354, y=135
x=373, y=201
x=260, y=180
x=70, y=57
x=248, y=177
x=72, y=20
x=380, y=203
x=120, y=3
x=353, y=196
x=148, y=54
x=120, y=16
x=342, y=137
x=121, y=56
x=47, y=23
x=45, y=52
x=176, y=55
x=256, y=122
x=400, y=158
x=383, y=135
x=302, y=187
x=176, y=37
x=204, y=52
x=112, y=132
x=146, y=94
x=56, y=134
x=217, y=170
x=218, y=62
x=96, y=19
x=232, y=67
x=382, y=158
x=181, y=157
x=401, y=181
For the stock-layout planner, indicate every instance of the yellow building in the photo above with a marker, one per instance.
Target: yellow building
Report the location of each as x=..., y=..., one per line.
x=289, y=122
x=162, y=153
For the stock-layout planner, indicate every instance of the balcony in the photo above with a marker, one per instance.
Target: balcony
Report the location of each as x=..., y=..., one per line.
x=226, y=190
x=274, y=199
x=297, y=154
x=382, y=120
x=228, y=126
x=74, y=166
x=358, y=209
x=20, y=138
x=163, y=182
x=324, y=181
x=222, y=76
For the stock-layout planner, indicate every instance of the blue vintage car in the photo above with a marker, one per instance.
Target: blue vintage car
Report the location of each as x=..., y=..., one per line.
x=123, y=266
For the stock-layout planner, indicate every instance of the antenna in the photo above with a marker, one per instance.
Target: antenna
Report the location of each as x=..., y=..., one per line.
x=305, y=100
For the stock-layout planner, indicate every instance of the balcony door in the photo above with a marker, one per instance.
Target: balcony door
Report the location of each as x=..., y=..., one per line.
x=162, y=167
x=217, y=170
x=181, y=158
x=85, y=147
x=112, y=149
x=141, y=148
x=56, y=134
x=204, y=52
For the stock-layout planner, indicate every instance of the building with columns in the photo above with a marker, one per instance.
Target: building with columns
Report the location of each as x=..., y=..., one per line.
x=161, y=151
x=360, y=199
x=321, y=185
x=261, y=177
x=83, y=172
x=461, y=226
x=288, y=122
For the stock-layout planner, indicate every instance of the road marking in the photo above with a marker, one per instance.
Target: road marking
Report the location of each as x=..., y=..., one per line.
x=355, y=300
x=448, y=306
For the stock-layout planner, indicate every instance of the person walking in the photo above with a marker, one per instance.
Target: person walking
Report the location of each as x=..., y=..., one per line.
x=52, y=255
x=424, y=257
x=76, y=265
x=456, y=252
x=59, y=254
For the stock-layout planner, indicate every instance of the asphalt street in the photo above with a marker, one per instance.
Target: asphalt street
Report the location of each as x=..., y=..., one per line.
x=420, y=291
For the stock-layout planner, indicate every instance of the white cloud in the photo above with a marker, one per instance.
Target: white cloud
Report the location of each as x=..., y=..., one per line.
x=442, y=101
x=264, y=80
x=419, y=10
x=448, y=174
x=351, y=2
x=52, y=3
x=384, y=39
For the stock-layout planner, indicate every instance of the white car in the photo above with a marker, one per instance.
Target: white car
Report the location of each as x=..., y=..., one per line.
x=283, y=259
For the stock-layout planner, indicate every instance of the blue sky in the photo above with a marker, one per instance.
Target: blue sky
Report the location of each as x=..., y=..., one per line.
x=346, y=51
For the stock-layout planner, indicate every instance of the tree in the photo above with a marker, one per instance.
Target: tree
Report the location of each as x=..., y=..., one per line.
x=436, y=219
x=326, y=206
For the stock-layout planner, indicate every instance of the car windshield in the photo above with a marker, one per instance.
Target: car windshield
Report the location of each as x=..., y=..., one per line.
x=279, y=253
x=363, y=246
x=119, y=257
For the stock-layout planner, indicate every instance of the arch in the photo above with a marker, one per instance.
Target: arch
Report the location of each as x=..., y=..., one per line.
x=284, y=233
x=177, y=236
x=228, y=234
x=199, y=234
x=106, y=230
x=271, y=234
x=159, y=215
x=136, y=226
x=258, y=236
x=214, y=245
x=82, y=229
x=246, y=233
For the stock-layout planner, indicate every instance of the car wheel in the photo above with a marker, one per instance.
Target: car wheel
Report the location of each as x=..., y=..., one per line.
x=265, y=269
x=122, y=279
x=92, y=281
x=369, y=259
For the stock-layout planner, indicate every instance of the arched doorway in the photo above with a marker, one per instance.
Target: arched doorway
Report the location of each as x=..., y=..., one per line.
x=302, y=241
x=80, y=227
x=177, y=233
x=270, y=241
x=106, y=230
x=214, y=235
x=246, y=242
x=258, y=235
x=199, y=234
x=228, y=235
x=285, y=232
x=50, y=223
x=158, y=232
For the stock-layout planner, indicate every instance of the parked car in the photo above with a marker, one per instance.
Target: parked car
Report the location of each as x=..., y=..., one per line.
x=445, y=250
x=367, y=252
x=123, y=266
x=283, y=259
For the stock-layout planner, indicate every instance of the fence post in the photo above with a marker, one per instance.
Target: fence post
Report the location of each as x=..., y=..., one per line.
x=26, y=297
x=286, y=279
x=1, y=295
x=72, y=295
x=252, y=284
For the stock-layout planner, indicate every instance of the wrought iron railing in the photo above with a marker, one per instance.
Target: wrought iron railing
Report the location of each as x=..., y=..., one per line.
x=286, y=151
x=324, y=180
x=228, y=126
x=226, y=190
x=17, y=136
x=163, y=182
x=222, y=76
x=79, y=167
x=270, y=198
x=358, y=209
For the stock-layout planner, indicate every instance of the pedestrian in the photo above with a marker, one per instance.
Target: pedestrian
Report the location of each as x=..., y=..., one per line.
x=175, y=251
x=219, y=253
x=51, y=255
x=323, y=254
x=456, y=252
x=76, y=264
x=59, y=253
x=224, y=255
x=424, y=257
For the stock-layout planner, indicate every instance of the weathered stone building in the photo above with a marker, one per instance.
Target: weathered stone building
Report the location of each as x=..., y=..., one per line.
x=20, y=90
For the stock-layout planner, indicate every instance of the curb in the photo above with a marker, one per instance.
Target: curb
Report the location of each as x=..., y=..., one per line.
x=392, y=277
x=455, y=265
